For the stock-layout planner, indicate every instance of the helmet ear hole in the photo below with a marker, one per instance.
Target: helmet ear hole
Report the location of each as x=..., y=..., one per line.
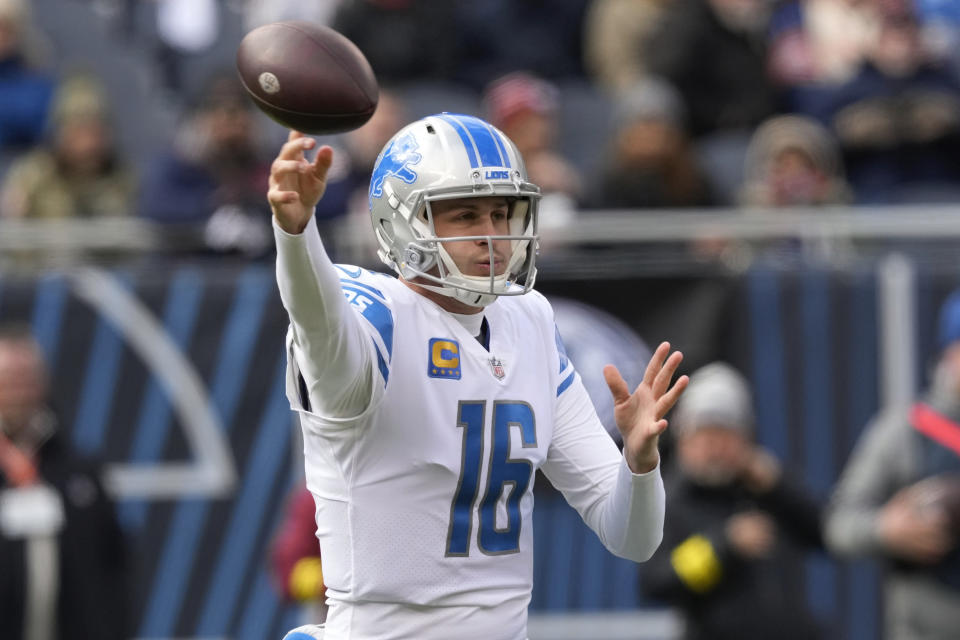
x=386, y=227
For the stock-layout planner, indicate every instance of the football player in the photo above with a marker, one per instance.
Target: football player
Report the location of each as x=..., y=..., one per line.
x=428, y=401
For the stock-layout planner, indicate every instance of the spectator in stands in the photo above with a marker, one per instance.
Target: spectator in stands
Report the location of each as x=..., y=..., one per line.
x=898, y=120
x=615, y=40
x=730, y=557
x=524, y=107
x=818, y=43
x=650, y=163
x=887, y=504
x=295, y=557
x=25, y=92
x=404, y=40
x=61, y=550
x=79, y=173
x=540, y=36
x=214, y=174
x=712, y=51
x=793, y=161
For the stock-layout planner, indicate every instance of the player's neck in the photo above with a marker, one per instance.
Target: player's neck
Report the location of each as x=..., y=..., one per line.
x=444, y=302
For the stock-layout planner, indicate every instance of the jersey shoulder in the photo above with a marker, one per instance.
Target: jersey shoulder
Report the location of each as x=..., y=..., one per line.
x=371, y=295
x=378, y=283
x=535, y=306
x=532, y=303
x=538, y=307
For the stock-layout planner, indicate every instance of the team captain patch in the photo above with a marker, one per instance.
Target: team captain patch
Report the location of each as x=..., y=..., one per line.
x=443, y=359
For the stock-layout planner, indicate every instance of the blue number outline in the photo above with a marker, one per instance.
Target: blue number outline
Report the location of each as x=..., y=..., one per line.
x=502, y=471
x=491, y=540
x=468, y=485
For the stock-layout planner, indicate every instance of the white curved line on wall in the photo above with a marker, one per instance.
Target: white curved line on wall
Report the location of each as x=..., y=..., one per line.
x=212, y=472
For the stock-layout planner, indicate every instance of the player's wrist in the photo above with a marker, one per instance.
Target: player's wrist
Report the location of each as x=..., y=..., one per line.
x=291, y=225
x=644, y=462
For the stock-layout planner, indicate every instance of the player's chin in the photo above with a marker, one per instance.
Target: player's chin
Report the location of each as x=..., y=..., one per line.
x=482, y=269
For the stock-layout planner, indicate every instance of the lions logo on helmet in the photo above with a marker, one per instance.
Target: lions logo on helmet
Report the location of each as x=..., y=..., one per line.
x=456, y=156
x=395, y=161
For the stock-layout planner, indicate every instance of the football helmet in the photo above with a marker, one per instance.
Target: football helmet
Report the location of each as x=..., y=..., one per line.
x=442, y=157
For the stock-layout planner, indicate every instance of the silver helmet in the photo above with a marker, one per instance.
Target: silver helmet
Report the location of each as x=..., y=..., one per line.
x=442, y=157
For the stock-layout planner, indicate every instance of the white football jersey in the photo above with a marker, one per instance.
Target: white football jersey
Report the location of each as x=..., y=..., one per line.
x=422, y=445
x=426, y=498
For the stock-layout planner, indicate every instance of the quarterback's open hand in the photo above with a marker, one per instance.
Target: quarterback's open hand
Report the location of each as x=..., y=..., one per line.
x=296, y=184
x=639, y=416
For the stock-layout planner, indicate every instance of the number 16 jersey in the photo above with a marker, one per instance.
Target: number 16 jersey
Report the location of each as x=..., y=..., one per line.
x=424, y=495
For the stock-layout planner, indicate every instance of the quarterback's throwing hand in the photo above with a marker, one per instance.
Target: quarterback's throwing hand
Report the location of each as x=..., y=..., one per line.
x=296, y=184
x=639, y=415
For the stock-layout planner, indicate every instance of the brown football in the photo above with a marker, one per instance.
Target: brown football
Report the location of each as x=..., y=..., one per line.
x=307, y=77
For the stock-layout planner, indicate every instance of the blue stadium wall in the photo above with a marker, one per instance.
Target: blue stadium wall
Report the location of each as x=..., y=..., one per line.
x=807, y=339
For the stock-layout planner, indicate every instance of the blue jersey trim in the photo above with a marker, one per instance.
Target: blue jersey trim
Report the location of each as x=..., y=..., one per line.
x=354, y=283
x=464, y=137
x=356, y=273
x=566, y=383
x=561, y=349
x=382, y=365
x=375, y=311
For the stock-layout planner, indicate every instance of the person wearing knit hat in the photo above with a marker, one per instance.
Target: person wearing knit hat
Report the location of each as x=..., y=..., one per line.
x=79, y=172
x=793, y=161
x=649, y=160
x=737, y=528
x=718, y=396
x=519, y=94
x=526, y=108
x=714, y=425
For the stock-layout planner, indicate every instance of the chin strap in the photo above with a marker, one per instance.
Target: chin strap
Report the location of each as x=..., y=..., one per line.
x=472, y=298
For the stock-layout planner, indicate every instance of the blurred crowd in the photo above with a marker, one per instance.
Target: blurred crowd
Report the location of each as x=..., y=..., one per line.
x=615, y=104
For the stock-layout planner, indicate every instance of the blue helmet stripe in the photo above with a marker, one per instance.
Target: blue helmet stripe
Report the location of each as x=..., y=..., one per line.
x=503, y=150
x=464, y=137
x=486, y=142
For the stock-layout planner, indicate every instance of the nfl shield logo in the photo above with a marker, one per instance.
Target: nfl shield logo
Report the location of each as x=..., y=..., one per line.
x=497, y=368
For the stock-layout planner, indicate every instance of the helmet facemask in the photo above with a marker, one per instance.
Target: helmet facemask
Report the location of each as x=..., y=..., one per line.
x=516, y=277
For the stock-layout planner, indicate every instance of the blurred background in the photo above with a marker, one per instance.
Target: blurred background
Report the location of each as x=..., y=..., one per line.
x=771, y=184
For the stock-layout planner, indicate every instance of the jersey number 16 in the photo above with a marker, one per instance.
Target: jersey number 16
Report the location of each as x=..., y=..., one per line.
x=503, y=472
